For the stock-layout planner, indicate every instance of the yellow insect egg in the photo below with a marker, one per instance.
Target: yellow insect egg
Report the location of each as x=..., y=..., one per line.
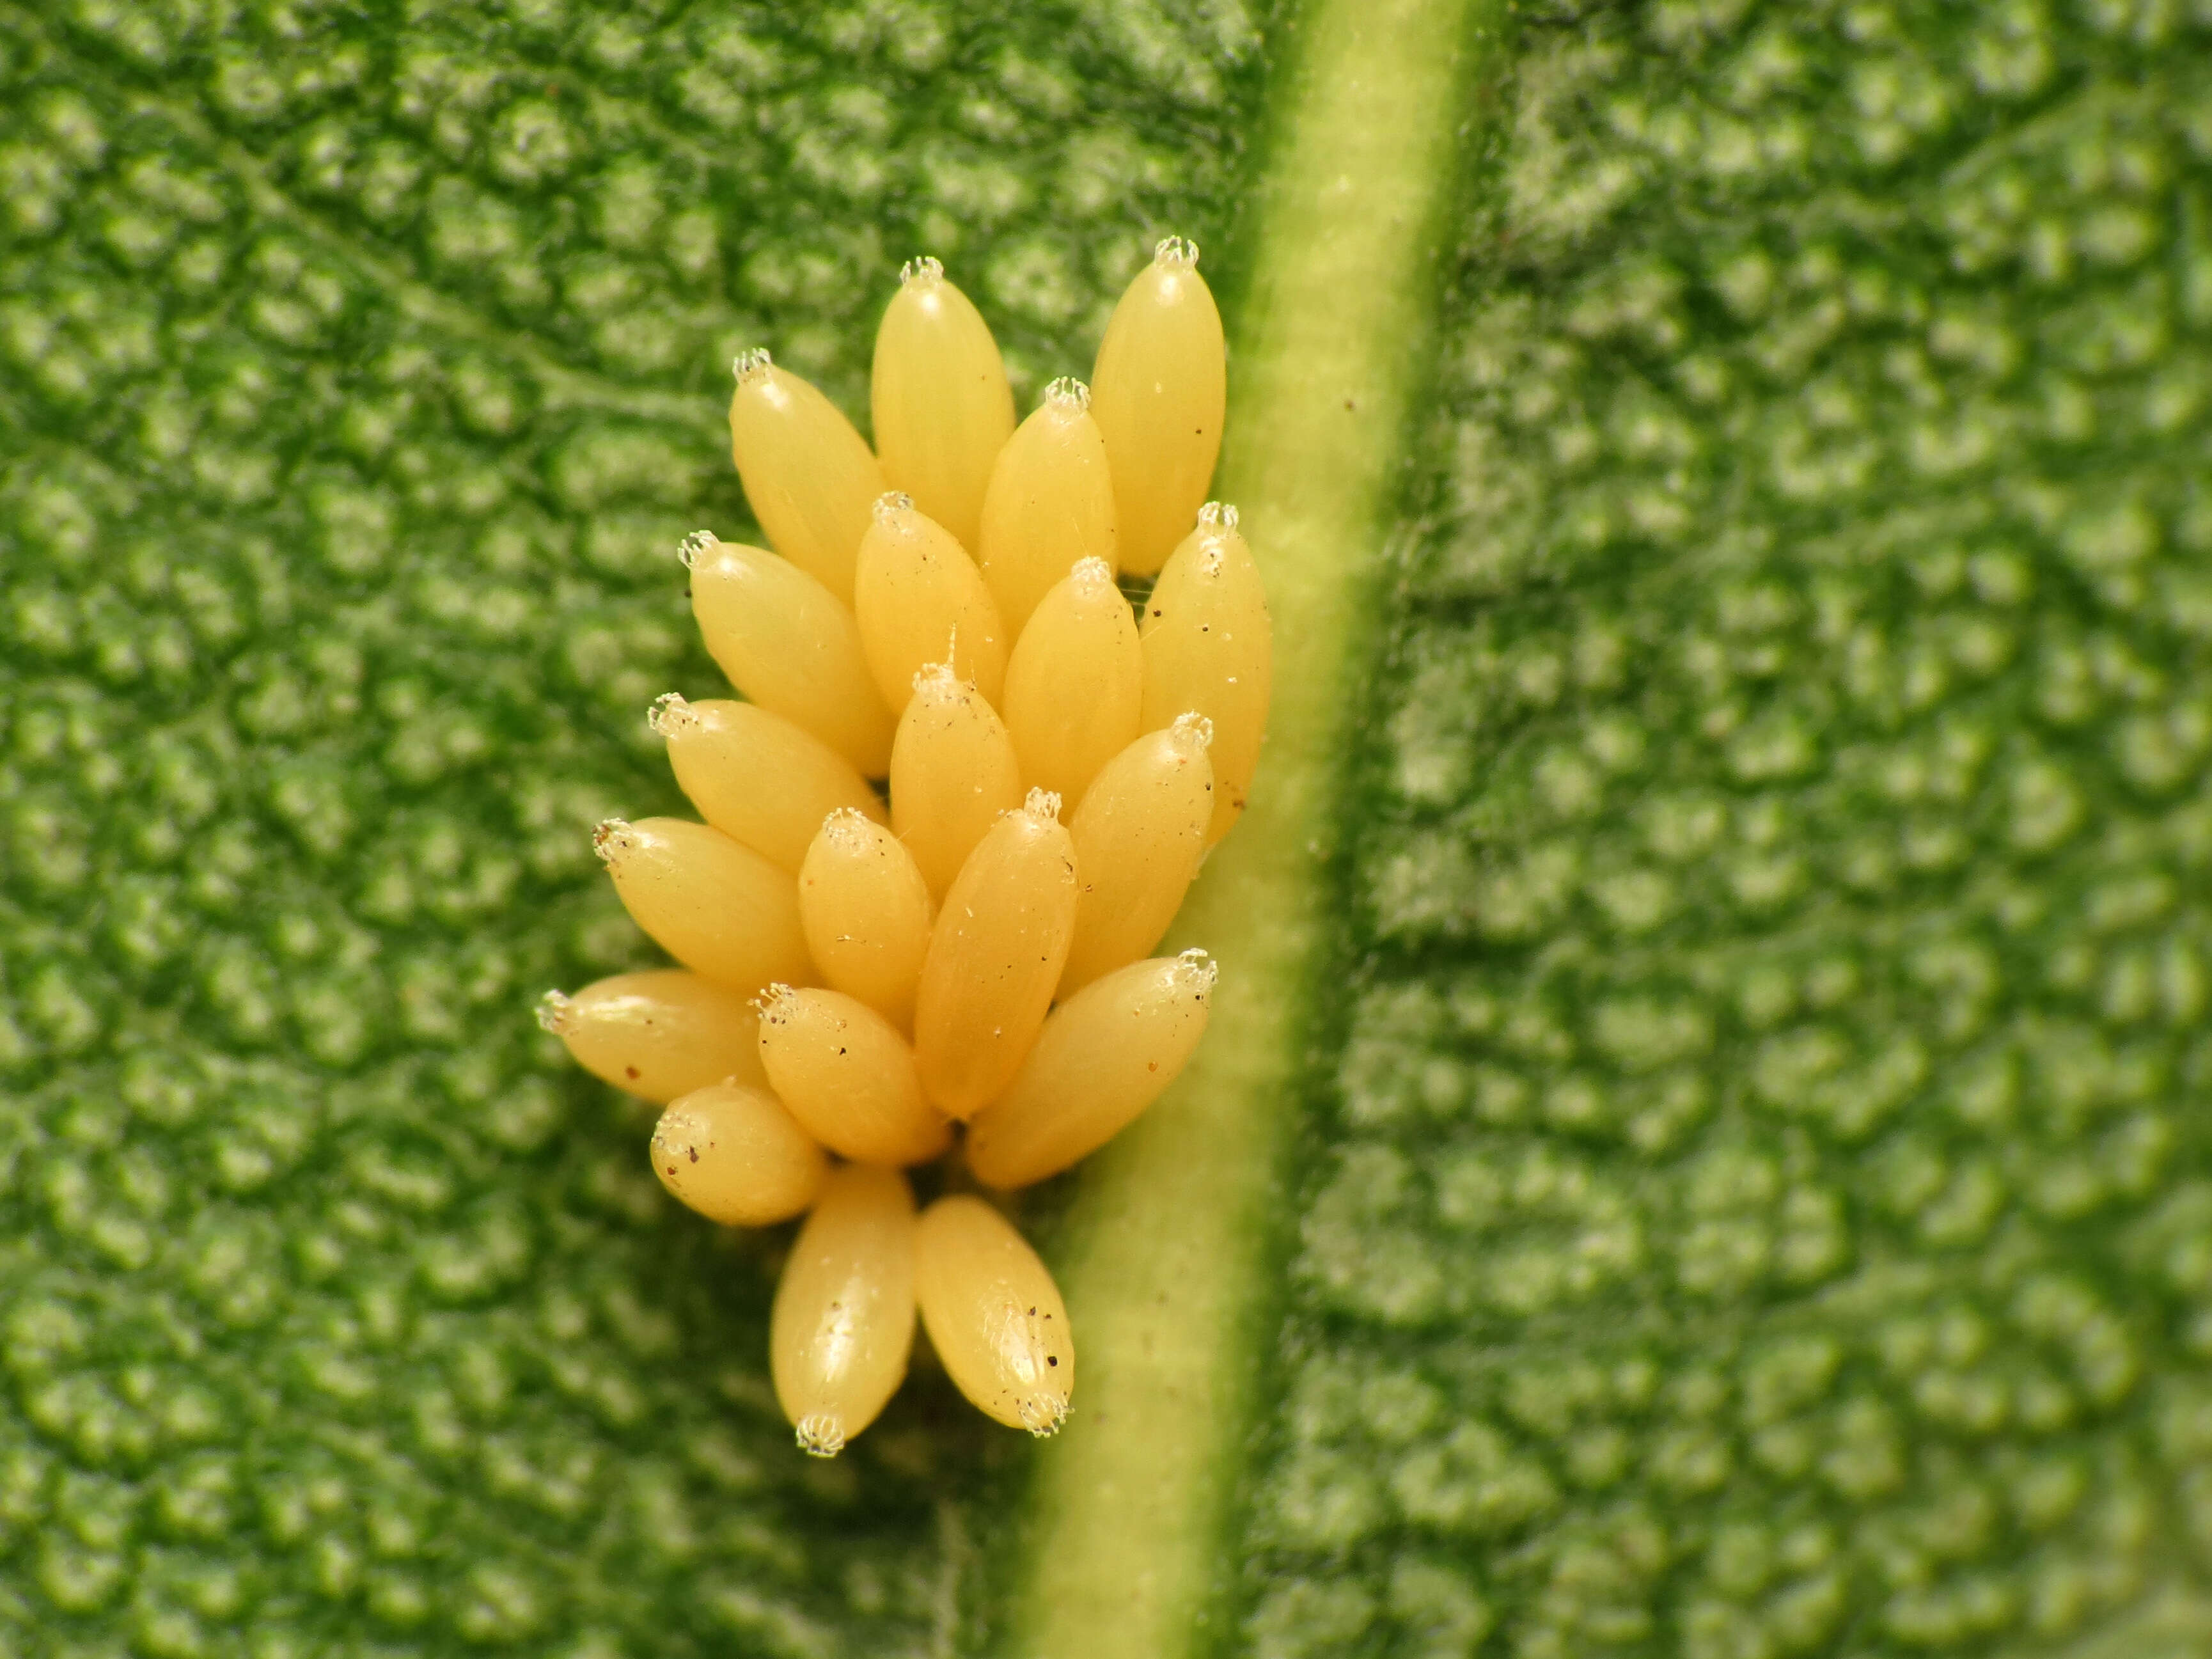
x=1159, y=393
x=993, y=1315
x=722, y=750
x=1209, y=646
x=790, y=645
x=808, y=475
x=848, y=1077
x=1051, y=502
x=1076, y=685
x=920, y=599
x=866, y=913
x=953, y=771
x=1140, y=832
x=1104, y=1055
x=842, y=1326
x=942, y=409
x=734, y=1155
x=718, y=909
x=994, y=957
x=658, y=1034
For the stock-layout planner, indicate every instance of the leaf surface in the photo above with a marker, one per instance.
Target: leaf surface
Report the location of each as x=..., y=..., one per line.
x=1706, y=1161
x=364, y=365
x=1753, y=1207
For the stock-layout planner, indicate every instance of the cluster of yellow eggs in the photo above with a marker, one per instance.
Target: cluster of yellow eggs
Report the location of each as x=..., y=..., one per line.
x=862, y=971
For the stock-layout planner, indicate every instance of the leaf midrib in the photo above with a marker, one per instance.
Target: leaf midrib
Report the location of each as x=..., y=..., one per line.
x=1170, y=1242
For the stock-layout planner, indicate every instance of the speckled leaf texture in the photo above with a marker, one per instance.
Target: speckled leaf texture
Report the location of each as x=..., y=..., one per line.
x=1750, y=1196
x=360, y=366
x=1760, y=1205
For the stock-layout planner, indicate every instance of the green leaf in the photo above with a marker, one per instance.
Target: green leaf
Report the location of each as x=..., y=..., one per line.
x=364, y=366
x=1755, y=1202
x=1700, y=1152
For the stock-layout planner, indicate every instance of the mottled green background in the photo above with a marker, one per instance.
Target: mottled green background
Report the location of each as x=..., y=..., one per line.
x=1754, y=1198
x=1759, y=1208
x=360, y=368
